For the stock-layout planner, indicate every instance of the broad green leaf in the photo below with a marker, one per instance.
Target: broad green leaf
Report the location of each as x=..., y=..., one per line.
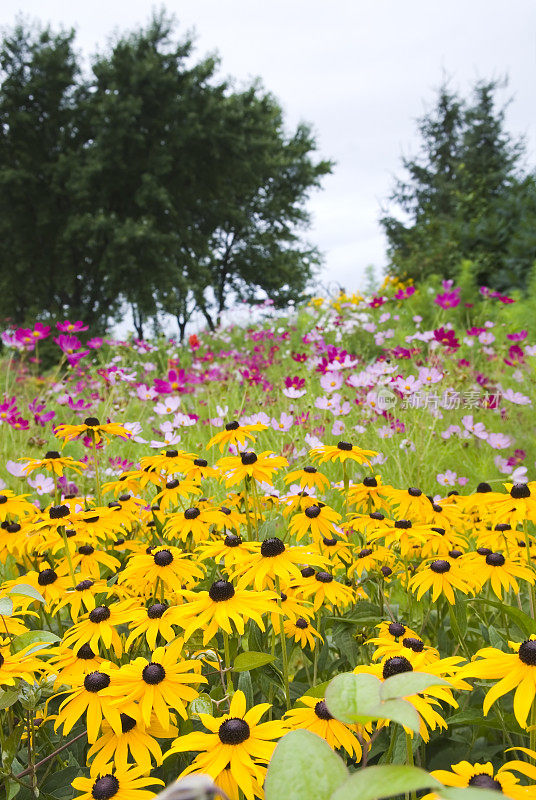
x=8, y=697
x=28, y=591
x=408, y=683
x=251, y=660
x=400, y=711
x=318, y=691
x=469, y=793
x=38, y=638
x=354, y=698
x=349, y=697
x=201, y=705
x=387, y=780
x=245, y=685
x=6, y=607
x=303, y=767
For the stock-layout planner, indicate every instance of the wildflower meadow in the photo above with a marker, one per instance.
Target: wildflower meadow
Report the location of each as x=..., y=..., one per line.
x=292, y=558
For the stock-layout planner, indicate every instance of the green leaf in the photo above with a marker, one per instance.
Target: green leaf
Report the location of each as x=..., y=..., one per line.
x=408, y=683
x=387, y=780
x=8, y=697
x=354, y=698
x=525, y=623
x=469, y=793
x=38, y=638
x=318, y=691
x=6, y=606
x=245, y=685
x=303, y=767
x=201, y=705
x=251, y=660
x=348, y=696
x=58, y=784
x=28, y=591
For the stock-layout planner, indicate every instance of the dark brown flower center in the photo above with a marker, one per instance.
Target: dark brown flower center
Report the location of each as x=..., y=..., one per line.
x=105, y=788
x=344, y=446
x=396, y=665
x=153, y=673
x=495, y=559
x=312, y=512
x=163, y=558
x=440, y=566
x=96, y=681
x=527, y=652
x=302, y=623
x=156, y=610
x=232, y=426
x=47, y=577
x=519, y=491
x=220, y=591
x=324, y=577
x=272, y=547
x=99, y=614
x=484, y=781
x=396, y=629
x=231, y=540
x=321, y=710
x=233, y=731
x=127, y=723
x=57, y=512
x=248, y=458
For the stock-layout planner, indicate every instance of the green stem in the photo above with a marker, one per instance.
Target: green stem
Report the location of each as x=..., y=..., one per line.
x=227, y=652
x=61, y=529
x=532, y=731
x=284, y=654
x=409, y=760
x=532, y=591
x=97, y=470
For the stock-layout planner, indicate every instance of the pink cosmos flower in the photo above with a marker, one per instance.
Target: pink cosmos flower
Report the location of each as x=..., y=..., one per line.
x=145, y=392
x=462, y=481
x=403, y=294
x=95, y=343
x=515, y=356
x=429, y=375
x=175, y=382
x=408, y=385
x=42, y=484
x=71, y=327
x=517, y=337
x=168, y=406
x=449, y=299
x=446, y=337
x=447, y=478
x=8, y=410
x=338, y=428
x=15, y=468
x=499, y=441
x=283, y=424
x=331, y=381
x=41, y=417
x=516, y=397
x=478, y=429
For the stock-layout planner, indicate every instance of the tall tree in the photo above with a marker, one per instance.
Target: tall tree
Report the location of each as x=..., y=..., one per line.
x=462, y=195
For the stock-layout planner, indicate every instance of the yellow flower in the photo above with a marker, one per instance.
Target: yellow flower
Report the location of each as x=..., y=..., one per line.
x=342, y=452
x=442, y=576
x=515, y=670
x=250, y=465
x=159, y=684
x=92, y=700
x=483, y=776
x=318, y=520
x=273, y=559
x=316, y=718
x=118, y=784
x=302, y=631
x=235, y=434
x=308, y=478
x=53, y=462
x=135, y=739
x=92, y=427
x=221, y=605
x=236, y=750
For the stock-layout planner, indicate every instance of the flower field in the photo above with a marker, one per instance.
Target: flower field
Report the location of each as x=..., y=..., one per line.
x=295, y=556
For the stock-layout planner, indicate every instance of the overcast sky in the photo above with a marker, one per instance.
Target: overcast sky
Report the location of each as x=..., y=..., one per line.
x=360, y=72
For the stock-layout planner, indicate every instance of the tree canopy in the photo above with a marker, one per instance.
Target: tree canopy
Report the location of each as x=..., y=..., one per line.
x=465, y=197
x=147, y=182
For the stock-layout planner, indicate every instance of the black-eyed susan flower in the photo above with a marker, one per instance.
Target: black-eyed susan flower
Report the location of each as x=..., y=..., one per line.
x=387, y=647
x=272, y=559
x=410, y=503
x=168, y=564
x=426, y=703
x=237, y=749
x=499, y=570
x=83, y=597
x=324, y=589
x=317, y=520
x=14, y=506
x=200, y=470
x=72, y=666
x=314, y=716
x=367, y=496
x=169, y=462
x=24, y=665
x=518, y=505
x=53, y=462
x=368, y=559
x=152, y=621
x=515, y=670
x=235, y=434
x=308, y=478
x=136, y=741
x=442, y=576
x=395, y=631
x=48, y=583
x=342, y=452
x=158, y=685
x=193, y=522
x=231, y=549
x=92, y=427
x=93, y=701
x=100, y=625
x=292, y=607
x=250, y=465
x=92, y=562
x=215, y=610
x=118, y=784
x=405, y=534
x=174, y=492
x=302, y=632
x=483, y=776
